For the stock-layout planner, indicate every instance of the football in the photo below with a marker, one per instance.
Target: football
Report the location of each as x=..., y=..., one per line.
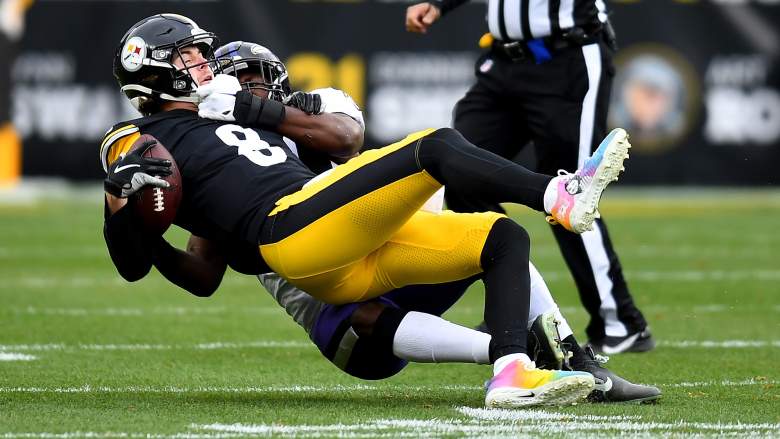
x=156, y=207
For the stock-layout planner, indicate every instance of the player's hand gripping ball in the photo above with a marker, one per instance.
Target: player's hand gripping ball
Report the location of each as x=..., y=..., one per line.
x=157, y=206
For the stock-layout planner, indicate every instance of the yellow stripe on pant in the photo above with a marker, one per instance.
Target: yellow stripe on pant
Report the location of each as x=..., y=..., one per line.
x=379, y=241
x=342, y=171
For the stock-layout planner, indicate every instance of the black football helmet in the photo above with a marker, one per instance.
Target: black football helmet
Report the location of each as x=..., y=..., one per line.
x=238, y=56
x=143, y=63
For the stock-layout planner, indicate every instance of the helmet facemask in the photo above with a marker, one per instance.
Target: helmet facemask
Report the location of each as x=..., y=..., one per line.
x=233, y=59
x=182, y=78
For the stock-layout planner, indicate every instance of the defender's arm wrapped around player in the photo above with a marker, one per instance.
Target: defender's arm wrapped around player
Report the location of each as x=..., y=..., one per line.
x=325, y=120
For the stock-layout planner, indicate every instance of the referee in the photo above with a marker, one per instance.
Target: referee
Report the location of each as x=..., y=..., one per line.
x=545, y=79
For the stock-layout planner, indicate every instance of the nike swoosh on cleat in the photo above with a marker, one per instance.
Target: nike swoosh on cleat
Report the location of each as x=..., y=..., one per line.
x=122, y=168
x=620, y=347
x=606, y=387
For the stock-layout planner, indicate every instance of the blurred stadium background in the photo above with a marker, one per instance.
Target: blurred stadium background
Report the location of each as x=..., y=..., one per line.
x=696, y=216
x=698, y=82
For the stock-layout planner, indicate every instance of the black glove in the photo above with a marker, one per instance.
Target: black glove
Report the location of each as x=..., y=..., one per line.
x=309, y=103
x=133, y=171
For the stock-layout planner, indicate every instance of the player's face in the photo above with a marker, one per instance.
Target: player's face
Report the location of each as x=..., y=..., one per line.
x=249, y=77
x=192, y=59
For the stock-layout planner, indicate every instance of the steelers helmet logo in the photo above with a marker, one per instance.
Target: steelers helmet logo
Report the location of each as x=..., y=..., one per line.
x=133, y=54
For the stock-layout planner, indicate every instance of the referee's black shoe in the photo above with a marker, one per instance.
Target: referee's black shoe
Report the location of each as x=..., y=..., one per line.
x=610, y=387
x=637, y=342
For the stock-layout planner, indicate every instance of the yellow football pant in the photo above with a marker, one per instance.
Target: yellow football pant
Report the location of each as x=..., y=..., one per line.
x=357, y=233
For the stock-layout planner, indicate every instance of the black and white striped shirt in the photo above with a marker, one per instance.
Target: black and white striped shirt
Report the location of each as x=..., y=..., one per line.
x=528, y=19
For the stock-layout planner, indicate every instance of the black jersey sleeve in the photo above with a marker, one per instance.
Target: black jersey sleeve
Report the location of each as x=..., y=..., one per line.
x=448, y=5
x=130, y=249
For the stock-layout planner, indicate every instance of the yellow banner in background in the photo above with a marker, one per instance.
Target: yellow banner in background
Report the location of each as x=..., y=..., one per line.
x=10, y=156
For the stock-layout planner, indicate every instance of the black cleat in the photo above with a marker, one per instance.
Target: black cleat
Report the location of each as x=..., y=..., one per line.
x=610, y=387
x=637, y=342
x=544, y=343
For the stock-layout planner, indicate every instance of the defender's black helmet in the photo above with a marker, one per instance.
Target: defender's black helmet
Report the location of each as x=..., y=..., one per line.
x=238, y=56
x=143, y=63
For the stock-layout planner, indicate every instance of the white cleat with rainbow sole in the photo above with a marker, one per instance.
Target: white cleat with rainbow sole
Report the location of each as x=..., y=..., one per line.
x=577, y=195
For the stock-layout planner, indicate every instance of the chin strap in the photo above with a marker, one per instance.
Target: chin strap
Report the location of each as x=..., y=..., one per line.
x=138, y=100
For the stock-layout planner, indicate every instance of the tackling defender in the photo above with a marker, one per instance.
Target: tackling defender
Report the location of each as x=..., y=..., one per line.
x=376, y=339
x=356, y=233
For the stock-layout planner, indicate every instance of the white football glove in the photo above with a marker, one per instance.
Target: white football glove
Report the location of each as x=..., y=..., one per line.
x=337, y=101
x=218, y=98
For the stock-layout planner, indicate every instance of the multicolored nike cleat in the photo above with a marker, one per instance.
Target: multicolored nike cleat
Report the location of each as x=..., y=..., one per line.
x=521, y=384
x=577, y=199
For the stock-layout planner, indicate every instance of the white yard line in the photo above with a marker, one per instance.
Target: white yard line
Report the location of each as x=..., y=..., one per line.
x=142, y=312
x=725, y=383
x=39, y=281
x=157, y=347
x=116, y=434
x=64, y=281
x=338, y=388
x=13, y=356
x=475, y=422
x=235, y=390
x=497, y=423
x=273, y=344
x=683, y=275
x=544, y=422
x=719, y=344
x=275, y=310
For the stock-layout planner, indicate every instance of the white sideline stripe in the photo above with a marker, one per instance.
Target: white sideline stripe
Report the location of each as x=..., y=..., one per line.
x=114, y=434
x=724, y=383
x=274, y=310
x=760, y=251
x=241, y=390
x=338, y=388
x=672, y=250
x=683, y=275
x=140, y=312
x=156, y=347
x=722, y=344
x=61, y=282
x=491, y=422
x=696, y=309
x=13, y=356
x=540, y=422
x=264, y=344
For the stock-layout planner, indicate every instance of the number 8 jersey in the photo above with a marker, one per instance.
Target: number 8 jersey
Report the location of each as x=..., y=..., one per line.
x=231, y=175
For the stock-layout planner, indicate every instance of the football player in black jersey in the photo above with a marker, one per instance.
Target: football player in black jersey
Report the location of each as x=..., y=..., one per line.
x=376, y=339
x=356, y=233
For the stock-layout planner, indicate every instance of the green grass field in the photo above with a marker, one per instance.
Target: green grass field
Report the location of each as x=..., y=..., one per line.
x=84, y=354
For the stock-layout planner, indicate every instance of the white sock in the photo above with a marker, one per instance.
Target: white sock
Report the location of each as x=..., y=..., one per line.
x=502, y=362
x=542, y=302
x=541, y=298
x=425, y=338
x=551, y=194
